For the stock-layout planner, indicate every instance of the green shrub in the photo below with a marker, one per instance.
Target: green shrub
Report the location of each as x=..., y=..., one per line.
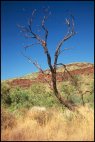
x=5, y=94
x=36, y=95
x=19, y=97
x=76, y=81
x=38, y=89
x=67, y=90
x=89, y=98
x=75, y=98
x=39, y=96
x=70, y=93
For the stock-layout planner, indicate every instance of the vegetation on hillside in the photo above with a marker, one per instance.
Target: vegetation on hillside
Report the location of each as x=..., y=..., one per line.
x=51, y=121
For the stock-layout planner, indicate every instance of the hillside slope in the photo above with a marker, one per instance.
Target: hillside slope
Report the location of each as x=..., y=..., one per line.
x=28, y=104
x=82, y=69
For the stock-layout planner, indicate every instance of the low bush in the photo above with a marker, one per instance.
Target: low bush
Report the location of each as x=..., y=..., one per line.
x=69, y=92
x=39, y=96
x=19, y=98
x=5, y=94
x=36, y=95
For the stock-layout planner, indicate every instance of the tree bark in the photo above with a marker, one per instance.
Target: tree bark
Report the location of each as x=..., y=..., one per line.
x=58, y=95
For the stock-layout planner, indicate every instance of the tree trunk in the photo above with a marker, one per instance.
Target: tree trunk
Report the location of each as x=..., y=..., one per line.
x=58, y=95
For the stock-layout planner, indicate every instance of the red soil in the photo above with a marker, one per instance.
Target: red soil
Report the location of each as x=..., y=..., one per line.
x=27, y=82
x=21, y=82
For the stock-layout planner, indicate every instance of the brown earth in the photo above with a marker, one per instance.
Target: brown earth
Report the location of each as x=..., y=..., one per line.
x=21, y=82
x=60, y=77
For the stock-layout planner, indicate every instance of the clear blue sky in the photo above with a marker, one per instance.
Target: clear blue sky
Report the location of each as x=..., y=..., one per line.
x=13, y=64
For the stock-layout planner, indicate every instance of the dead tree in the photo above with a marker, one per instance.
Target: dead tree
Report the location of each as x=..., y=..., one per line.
x=29, y=33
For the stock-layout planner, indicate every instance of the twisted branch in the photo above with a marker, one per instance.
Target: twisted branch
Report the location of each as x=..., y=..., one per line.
x=69, y=34
x=35, y=63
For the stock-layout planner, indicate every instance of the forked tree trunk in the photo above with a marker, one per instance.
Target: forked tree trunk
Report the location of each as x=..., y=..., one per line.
x=58, y=95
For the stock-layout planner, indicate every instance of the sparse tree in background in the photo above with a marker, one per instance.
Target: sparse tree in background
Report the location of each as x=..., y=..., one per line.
x=29, y=33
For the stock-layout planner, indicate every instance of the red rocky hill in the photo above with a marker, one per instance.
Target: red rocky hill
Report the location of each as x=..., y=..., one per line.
x=82, y=69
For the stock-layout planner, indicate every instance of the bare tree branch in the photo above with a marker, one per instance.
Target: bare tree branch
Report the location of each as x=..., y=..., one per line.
x=28, y=36
x=68, y=24
x=43, y=26
x=29, y=29
x=31, y=45
x=73, y=25
x=67, y=71
x=35, y=63
x=76, y=84
x=32, y=17
x=66, y=37
x=23, y=29
x=34, y=35
x=65, y=49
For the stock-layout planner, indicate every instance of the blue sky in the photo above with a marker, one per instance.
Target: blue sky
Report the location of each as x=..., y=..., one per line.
x=13, y=64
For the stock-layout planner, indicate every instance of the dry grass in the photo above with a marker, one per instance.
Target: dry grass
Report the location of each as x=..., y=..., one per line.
x=53, y=125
